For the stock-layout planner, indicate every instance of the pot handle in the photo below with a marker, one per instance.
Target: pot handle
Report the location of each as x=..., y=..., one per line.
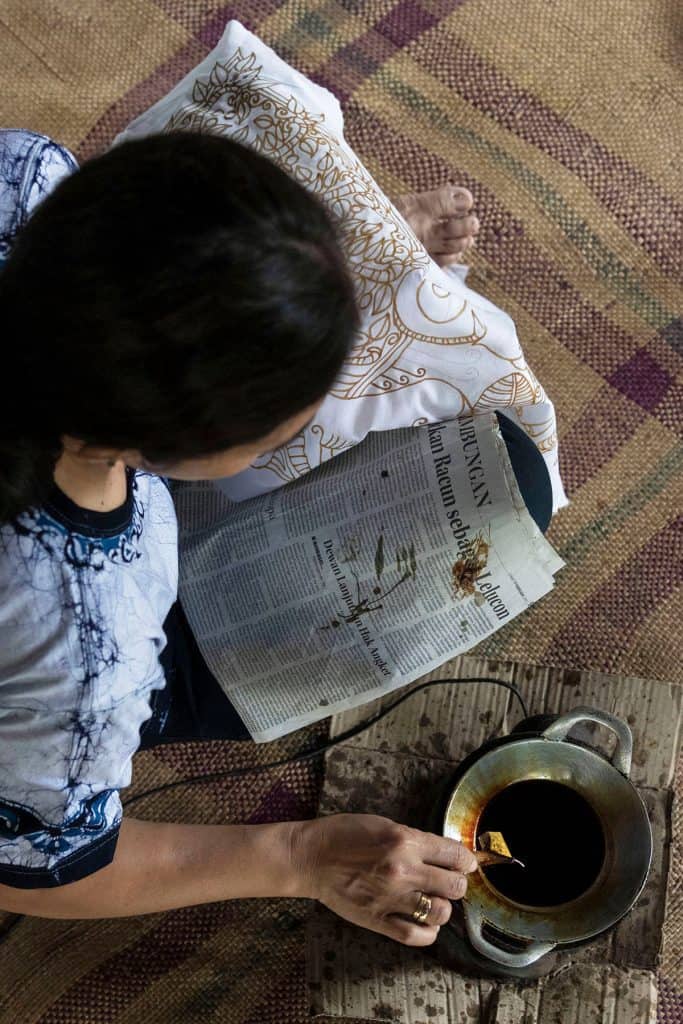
x=473, y=923
x=621, y=759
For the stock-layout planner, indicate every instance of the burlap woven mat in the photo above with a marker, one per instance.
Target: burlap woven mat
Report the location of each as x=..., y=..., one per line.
x=563, y=118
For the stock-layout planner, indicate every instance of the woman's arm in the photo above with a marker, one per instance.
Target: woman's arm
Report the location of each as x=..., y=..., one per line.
x=366, y=868
x=162, y=866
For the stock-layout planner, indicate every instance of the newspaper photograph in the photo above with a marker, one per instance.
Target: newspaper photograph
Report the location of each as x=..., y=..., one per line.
x=373, y=569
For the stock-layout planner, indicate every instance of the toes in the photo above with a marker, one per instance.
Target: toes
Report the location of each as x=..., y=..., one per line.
x=441, y=219
x=462, y=198
x=456, y=227
x=451, y=201
x=446, y=246
x=448, y=259
x=452, y=235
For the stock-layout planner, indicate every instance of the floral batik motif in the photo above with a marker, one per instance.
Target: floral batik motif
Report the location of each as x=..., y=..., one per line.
x=429, y=348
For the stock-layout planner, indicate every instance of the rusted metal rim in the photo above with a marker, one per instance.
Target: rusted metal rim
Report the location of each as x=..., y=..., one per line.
x=624, y=820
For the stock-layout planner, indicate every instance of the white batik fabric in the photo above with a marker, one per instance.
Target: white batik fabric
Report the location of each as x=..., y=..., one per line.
x=429, y=347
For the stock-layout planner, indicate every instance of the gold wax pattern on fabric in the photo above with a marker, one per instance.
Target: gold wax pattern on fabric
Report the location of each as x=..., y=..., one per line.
x=237, y=100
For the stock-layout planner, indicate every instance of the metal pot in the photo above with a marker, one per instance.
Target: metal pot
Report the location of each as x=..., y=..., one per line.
x=516, y=935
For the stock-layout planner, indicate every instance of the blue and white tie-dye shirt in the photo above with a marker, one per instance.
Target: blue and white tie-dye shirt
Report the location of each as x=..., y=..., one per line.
x=83, y=598
x=30, y=167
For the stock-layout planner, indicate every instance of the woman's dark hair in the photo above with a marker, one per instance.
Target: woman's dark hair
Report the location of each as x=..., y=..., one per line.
x=179, y=295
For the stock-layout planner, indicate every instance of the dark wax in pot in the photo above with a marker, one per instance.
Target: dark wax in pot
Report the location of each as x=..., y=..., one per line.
x=557, y=835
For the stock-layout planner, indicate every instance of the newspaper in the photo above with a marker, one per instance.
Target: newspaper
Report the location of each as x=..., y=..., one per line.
x=368, y=572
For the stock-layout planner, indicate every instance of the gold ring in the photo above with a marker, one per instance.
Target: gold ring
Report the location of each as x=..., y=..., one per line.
x=423, y=908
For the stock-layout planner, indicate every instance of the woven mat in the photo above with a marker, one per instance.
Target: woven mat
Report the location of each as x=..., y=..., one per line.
x=563, y=120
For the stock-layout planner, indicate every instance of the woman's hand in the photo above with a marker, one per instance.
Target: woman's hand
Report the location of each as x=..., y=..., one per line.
x=371, y=871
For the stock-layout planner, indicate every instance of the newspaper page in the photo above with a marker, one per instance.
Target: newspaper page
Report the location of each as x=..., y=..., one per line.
x=373, y=569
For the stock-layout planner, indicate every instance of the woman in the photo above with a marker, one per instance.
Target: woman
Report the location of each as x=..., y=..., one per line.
x=171, y=310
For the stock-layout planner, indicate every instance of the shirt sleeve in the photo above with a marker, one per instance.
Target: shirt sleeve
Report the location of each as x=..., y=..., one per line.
x=31, y=165
x=38, y=855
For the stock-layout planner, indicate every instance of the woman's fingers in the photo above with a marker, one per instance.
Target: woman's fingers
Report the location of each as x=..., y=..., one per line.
x=439, y=912
x=407, y=932
x=447, y=853
x=449, y=885
x=372, y=870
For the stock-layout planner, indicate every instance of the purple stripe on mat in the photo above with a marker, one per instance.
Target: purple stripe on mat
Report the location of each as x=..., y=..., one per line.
x=642, y=380
x=290, y=991
x=168, y=74
x=104, y=993
x=176, y=937
x=522, y=270
x=281, y=803
x=208, y=25
x=608, y=618
x=600, y=430
x=650, y=215
x=348, y=67
x=673, y=334
x=139, y=98
x=405, y=22
x=669, y=1001
x=248, y=13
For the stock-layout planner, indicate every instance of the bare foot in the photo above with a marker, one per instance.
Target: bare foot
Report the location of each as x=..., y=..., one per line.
x=442, y=221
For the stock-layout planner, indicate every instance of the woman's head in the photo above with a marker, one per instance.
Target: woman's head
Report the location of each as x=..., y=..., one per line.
x=179, y=297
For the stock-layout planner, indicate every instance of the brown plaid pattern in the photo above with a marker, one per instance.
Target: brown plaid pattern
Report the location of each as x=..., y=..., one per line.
x=563, y=120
